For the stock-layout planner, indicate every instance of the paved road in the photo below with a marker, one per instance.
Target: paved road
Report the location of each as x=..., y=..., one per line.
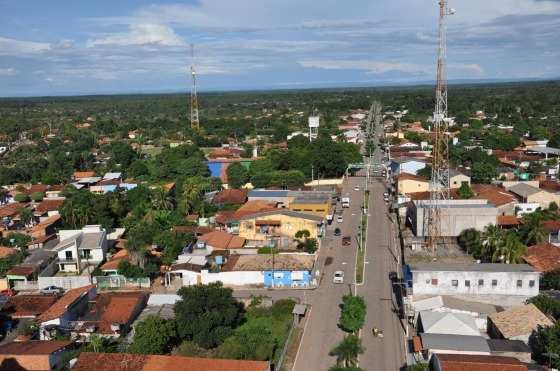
x=321, y=331
x=385, y=353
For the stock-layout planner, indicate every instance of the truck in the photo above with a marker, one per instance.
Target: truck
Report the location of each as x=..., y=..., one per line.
x=345, y=201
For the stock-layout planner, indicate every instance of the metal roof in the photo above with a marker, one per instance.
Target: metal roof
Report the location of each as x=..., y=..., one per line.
x=505, y=345
x=524, y=190
x=267, y=193
x=454, y=342
x=483, y=267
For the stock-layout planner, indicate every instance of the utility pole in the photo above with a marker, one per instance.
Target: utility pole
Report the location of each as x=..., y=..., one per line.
x=195, y=123
x=439, y=184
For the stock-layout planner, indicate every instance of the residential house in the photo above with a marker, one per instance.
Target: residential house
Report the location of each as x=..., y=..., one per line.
x=229, y=220
x=529, y=194
x=544, y=257
x=278, y=227
x=141, y=362
x=280, y=198
x=456, y=179
x=78, y=175
x=68, y=308
x=317, y=203
x=552, y=227
x=459, y=215
x=33, y=355
x=81, y=248
x=220, y=240
x=408, y=183
x=109, y=315
x=47, y=208
x=407, y=165
x=474, y=279
x=447, y=323
x=38, y=262
x=28, y=305
x=452, y=344
x=230, y=196
x=517, y=323
x=47, y=227
x=456, y=362
x=279, y=270
x=111, y=266
x=510, y=348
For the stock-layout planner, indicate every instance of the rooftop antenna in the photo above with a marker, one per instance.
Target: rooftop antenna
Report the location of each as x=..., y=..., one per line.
x=439, y=184
x=195, y=123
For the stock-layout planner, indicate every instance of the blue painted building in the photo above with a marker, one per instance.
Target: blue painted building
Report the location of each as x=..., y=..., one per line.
x=287, y=278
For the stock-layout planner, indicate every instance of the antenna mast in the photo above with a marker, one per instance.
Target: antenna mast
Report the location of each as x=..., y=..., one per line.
x=439, y=184
x=195, y=124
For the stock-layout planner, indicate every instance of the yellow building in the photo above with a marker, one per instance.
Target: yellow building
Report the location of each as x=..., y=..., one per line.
x=278, y=227
x=408, y=183
x=317, y=204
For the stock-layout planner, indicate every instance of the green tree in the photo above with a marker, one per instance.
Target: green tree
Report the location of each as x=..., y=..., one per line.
x=21, y=197
x=510, y=250
x=161, y=200
x=237, y=175
x=154, y=335
x=550, y=280
x=37, y=196
x=532, y=230
x=483, y=172
x=544, y=342
x=26, y=216
x=491, y=240
x=207, y=314
x=192, y=190
x=310, y=245
x=353, y=313
x=252, y=340
x=465, y=191
x=547, y=305
x=347, y=351
x=470, y=240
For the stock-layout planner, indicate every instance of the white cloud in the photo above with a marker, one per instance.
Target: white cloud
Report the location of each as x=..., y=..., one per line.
x=19, y=47
x=375, y=67
x=142, y=34
x=468, y=67
x=8, y=71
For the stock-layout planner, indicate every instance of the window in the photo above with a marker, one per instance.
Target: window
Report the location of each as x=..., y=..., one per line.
x=494, y=283
x=68, y=255
x=467, y=283
x=480, y=282
x=519, y=283
x=532, y=283
x=454, y=283
x=434, y=281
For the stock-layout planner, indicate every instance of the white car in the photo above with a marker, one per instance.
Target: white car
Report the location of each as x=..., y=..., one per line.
x=338, y=277
x=386, y=194
x=356, y=188
x=52, y=290
x=339, y=219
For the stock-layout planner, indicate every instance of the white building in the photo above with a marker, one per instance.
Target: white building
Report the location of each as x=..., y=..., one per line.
x=474, y=279
x=407, y=165
x=80, y=248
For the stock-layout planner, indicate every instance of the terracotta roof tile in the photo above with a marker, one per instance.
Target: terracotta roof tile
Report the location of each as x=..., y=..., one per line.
x=138, y=362
x=232, y=196
x=508, y=220
x=6, y=251
x=11, y=210
x=46, y=223
x=519, y=320
x=57, y=309
x=543, y=257
x=222, y=240
x=33, y=347
x=463, y=362
x=21, y=270
x=551, y=225
x=28, y=305
x=48, y=205
x=495, y=195
x=83, y=174
x=114, y=261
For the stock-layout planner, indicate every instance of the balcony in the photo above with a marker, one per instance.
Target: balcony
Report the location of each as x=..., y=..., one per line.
x=68, y=261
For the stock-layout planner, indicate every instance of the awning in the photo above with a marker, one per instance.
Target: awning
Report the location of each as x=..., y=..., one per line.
x=267, y=222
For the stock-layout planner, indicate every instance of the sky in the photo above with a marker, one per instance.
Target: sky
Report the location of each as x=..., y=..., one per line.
x=65, y=47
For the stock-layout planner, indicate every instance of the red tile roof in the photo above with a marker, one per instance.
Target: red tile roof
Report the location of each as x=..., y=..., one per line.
x=83, y=174
x=139, y=362
x=21, y=270
x=250, y=207
x=37, y=188
x=460, y=362
x=6, y=251
x=114, y=261
x=28, y=305
x=35, y=347
x=48, y=205
x=551, y=225
x=11, y=210
x=230, y=196
x=46, y=223
x=550, y=185
x=59, y=308
x=495, y=195
x=508, y=220
x=222, y=240
x=543, y=257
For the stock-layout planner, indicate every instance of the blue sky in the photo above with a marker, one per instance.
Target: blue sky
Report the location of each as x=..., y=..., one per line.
x=82, y=47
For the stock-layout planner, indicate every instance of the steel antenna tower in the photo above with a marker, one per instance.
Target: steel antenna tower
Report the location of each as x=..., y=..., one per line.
x=195, y=123
x=439, y=184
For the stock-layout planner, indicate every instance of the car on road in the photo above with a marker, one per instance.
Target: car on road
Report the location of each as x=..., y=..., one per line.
x=338, y=277
x=386, y=194
x=52, y=290
x=356, y=188
x=346, y=241
x=339, y=219
x=337, y=231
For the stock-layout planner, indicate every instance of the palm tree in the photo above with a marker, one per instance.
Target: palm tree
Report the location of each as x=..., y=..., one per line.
x=532, y=230
x=470, y=241
x=510, y=250
x=192, y=189
x=491, y=238
x=347, y=351
x=26, y=216
x=161, y=199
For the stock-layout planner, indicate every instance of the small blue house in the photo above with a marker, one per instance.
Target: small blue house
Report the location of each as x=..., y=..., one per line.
x=287, y=278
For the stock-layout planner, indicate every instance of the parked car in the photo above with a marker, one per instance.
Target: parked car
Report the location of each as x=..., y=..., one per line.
x=52, y=290
x=346, y=241
x=338, y=277
x=386, y=194
x=8, y=292
x=356, y=188
x=337, y=231
x=339, y=219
